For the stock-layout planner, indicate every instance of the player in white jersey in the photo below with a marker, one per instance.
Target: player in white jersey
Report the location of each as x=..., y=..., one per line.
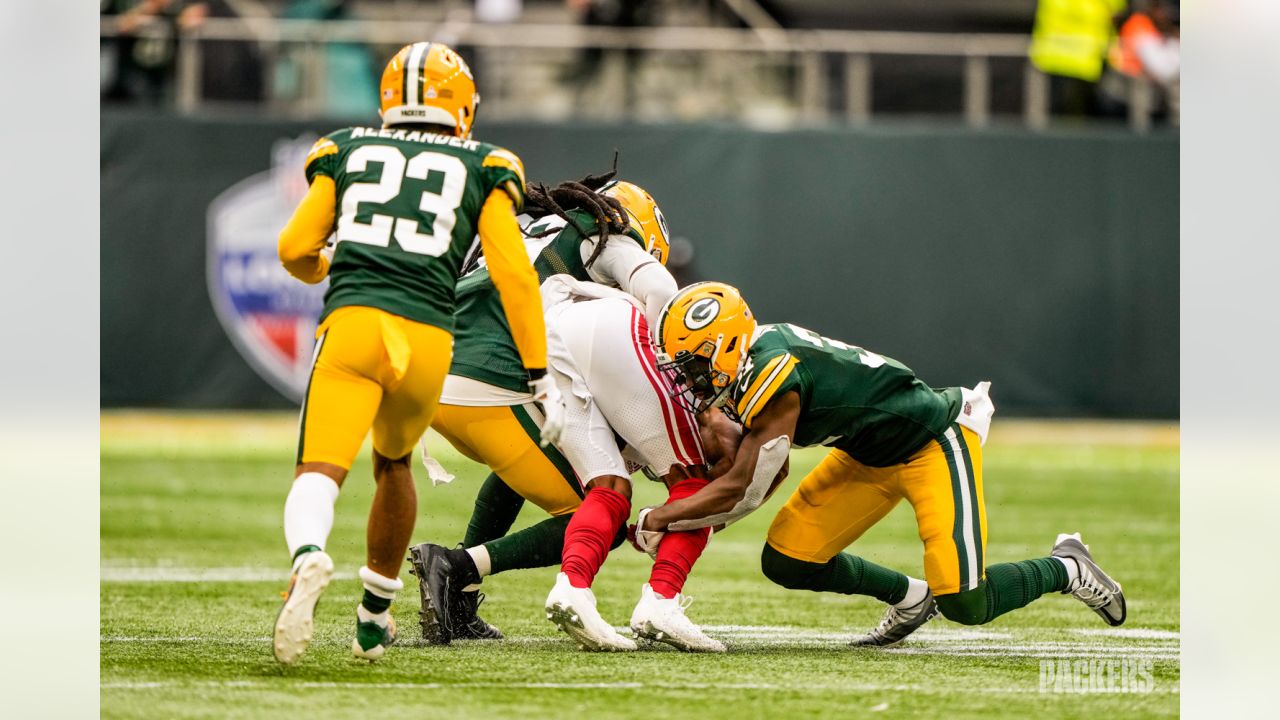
x=601, y=355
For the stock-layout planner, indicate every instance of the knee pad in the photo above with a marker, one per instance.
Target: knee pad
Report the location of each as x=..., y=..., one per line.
x=786, y=571
x=970, y=607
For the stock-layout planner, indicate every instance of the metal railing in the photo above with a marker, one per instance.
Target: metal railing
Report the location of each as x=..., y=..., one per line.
x=806, y=52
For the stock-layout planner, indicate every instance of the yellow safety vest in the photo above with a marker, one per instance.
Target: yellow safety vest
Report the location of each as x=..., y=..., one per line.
x=1071, y=36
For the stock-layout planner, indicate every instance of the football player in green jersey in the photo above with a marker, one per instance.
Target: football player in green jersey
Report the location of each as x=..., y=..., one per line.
x=403, y=203
x=892, y=437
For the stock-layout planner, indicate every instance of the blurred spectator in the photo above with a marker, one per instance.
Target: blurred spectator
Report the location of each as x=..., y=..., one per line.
x=1068, y=43
x=609, y=13
x=351, y=78
x=138, y=65
x=1147, y=46
x=231, y=70
x=498, y=11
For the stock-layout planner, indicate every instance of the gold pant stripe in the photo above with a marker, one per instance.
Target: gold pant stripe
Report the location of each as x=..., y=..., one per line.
x=840, y=499
x=495, y=436
x=373, y=370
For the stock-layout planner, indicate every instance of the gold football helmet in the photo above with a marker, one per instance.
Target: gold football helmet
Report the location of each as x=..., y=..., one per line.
x=429, y=83
x=703, y=335
x=643, y=215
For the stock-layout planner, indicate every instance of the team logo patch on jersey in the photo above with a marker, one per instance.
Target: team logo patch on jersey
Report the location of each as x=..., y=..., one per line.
x=701, y=313
x=269, y=316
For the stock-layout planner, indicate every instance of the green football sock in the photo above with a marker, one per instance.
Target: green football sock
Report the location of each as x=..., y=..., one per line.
x=844, y=573
x=533, y=547
x=374, y=603
x=1008, y=586
x=496, y=509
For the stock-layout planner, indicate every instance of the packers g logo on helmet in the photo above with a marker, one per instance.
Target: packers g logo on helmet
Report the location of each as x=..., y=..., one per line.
x=701, y=313
x=702, y=336
x=643, y=215
x=429, y=83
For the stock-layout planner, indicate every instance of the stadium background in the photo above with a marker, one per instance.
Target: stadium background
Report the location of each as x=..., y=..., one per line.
x=1039, y=255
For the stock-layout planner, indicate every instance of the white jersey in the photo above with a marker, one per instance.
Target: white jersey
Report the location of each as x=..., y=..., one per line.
x=601, y=355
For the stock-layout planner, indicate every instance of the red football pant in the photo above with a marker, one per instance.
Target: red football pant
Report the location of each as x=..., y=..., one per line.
x=678, y=551
x=590, y=534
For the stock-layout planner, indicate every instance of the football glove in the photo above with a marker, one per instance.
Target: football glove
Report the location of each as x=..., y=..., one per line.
x=546, y=393
x=644, y=540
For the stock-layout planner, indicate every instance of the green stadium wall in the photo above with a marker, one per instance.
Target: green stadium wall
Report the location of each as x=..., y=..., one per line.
x=1044, y=262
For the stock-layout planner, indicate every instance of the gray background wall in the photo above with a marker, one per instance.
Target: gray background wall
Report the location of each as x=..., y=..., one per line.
x=1044, y=262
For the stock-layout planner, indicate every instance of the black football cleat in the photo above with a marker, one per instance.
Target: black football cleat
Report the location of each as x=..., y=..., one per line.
x=430, y=563
x=467, y=625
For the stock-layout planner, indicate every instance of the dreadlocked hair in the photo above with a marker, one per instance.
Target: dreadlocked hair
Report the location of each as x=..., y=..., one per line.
x=584, y=195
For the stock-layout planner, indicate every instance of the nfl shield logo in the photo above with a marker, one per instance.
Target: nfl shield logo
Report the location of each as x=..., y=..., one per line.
x=269, y=315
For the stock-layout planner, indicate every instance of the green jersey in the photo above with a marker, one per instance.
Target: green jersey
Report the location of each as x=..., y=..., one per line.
x=482, y=346
x=408, y=203
x=872, y=407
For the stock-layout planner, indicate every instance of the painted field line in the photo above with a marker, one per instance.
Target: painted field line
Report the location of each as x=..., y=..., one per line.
x=782, y=631
x=160, y=639
x=1126, y=654
x=124, y=574
x=1046, y=649
x=1129, y=633
x=1032, y=687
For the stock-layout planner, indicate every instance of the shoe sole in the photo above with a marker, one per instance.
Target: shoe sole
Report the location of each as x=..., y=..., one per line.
x=569, y=621
x=648, y=631
x=295, y=624
x=434, y=630
x=1074, y=548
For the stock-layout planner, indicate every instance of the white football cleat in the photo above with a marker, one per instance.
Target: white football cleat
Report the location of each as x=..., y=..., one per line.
x=294, y=624
x=897, y=623
x=663, y=619
x=573, y=610
x=372, y=640
x=1093, y=587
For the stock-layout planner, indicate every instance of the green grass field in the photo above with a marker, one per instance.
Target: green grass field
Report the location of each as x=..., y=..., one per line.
x=193, y=561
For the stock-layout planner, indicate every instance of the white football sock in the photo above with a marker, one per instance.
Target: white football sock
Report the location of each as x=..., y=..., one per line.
x=916, y=590
x=384, y=587
x=480, y=556
x=308, y=512
x=1073, y=569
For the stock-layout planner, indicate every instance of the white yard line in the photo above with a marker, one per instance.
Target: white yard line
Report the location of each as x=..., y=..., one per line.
x=851, y=687
x=128, y=574
x=940, y=642
x=1129, y=633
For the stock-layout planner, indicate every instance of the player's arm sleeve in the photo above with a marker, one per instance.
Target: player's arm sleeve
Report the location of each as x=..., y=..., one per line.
x=303, y=238
x=760, y=458
x=514, y=277
x=626, y=265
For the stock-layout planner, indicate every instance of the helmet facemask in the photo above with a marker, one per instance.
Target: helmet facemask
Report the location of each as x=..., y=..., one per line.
x=695, y=384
